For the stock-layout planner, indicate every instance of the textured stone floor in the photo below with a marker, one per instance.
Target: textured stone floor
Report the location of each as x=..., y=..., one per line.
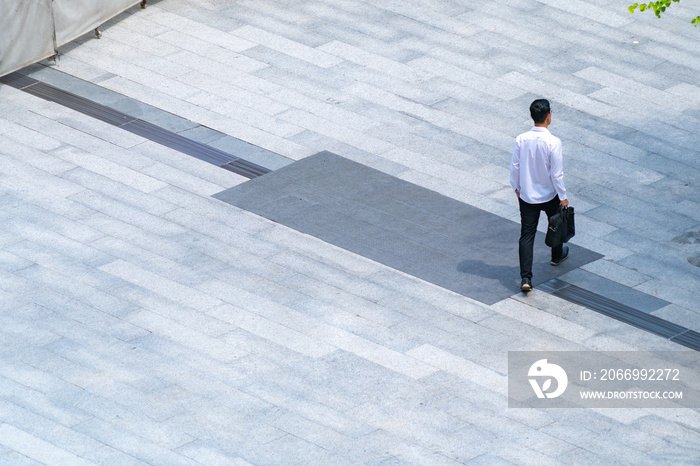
x=144, y=321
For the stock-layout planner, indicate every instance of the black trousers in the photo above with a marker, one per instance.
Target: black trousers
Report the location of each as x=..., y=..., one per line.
x=529, y=217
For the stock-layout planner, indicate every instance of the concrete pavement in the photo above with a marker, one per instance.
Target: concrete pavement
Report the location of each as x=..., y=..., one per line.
x=144, y=321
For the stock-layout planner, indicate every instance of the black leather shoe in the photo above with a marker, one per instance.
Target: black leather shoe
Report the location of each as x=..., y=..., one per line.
x=525, y=285
x=564, y=256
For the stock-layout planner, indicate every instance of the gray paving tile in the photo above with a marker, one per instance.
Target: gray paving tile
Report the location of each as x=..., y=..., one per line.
x=170, y=309
x=346, y=14
x=250, y=152
x=436, y=92
x=221, y=212
x=133, y=215
x=613, y=290
x=210, y=228
x=665, y=429
x=118, y=191
x=607, y=268
x=34, y=153
x=109, y=455
x=54, y=260
x=94, y=92
x=432, y=436
x=312, y=411
x=89, y=125
x=672, y=293
x=12, y=263
x=284, y=22
x=428, y=94
x=392, y=449
x=40, y=404
x=489, y=459
x=13, y=457
x=678, y=273
x=129, y=234
x=632, y=223
x=681, y=315
x=586, y=439
x=302, y=75
x=189, y=182
x=36, y=447
x=211, y=454
x=269, y=325
x=210, y=346
x=314, y=56
x=121, y=172
x=330, y=305
x=159, y=284
x=314, y=141
x=43, y=277
x=13, y=169
x=201, y=134
x=290, y=446
x=45, y=227
x=130, y=444
x=174, y=151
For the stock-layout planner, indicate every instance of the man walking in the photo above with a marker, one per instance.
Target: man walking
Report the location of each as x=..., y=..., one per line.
x=537, y=176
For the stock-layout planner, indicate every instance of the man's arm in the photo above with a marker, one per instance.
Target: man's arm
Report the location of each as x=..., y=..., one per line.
x=556, y=173
x=515, y=169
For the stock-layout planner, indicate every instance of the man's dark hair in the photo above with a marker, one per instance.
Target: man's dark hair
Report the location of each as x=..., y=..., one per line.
x=539, y=109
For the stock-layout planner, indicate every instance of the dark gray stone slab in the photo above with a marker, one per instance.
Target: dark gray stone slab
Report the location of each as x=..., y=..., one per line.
x=413, y=229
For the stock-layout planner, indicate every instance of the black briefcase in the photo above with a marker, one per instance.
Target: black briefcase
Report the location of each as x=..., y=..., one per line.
x=561, y=227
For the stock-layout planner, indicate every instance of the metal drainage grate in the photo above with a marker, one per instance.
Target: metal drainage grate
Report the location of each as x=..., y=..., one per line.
x=134, y=125
x=623, y=313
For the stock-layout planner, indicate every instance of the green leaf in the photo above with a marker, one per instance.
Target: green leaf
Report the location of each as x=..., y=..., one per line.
x=659, y=7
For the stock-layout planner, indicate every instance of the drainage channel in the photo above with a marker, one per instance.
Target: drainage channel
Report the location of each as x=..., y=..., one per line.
x=629, y=315
x=135, y=125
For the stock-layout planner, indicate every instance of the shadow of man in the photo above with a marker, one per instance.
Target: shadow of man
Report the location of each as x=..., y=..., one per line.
x=506, y=275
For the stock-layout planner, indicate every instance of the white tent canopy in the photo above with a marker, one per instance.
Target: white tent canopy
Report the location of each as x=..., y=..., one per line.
x=31, y=30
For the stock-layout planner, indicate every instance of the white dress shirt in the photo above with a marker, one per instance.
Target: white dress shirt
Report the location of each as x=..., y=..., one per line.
x=537, y=169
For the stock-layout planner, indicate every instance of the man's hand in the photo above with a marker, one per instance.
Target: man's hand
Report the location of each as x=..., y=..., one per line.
x=564, y=203
x=517, y=193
